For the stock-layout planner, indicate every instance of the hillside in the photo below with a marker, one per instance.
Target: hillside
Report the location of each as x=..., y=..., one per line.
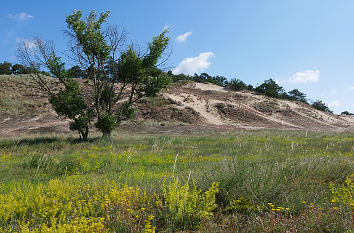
x=25, y=109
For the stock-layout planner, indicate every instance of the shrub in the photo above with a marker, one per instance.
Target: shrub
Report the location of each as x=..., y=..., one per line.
x=270, y=88
x=185, y=205
x=237, y=85
x=319, y=105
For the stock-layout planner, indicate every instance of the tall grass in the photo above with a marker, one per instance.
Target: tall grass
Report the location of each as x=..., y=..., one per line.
x=264, y=181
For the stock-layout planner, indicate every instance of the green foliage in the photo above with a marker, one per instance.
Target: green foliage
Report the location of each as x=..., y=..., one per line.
x=202, y=78
x=297, y=95
x=20, y=69
x=114, y=76
x=237, y=85
x=186, y=206
x=138, y=76
x=71, y=104
x=5, y=68
x=125, y=112
x=270, y=88
x=156, y=48
x=320, y=105
x=346, y=113
x=343, y=193
x=88, y=33
x=75, y=72
x=106, y=123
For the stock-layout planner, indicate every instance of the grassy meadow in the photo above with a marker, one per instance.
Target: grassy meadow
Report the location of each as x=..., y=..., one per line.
x=246, y=181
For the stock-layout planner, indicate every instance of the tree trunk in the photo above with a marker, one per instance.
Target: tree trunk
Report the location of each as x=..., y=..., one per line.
x=85, y=134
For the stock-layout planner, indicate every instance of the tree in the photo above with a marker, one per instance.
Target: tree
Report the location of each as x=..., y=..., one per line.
x=347, y=113
x=5, y=68
x=297, y=95
x=68, y=101
x=75, y=72
x=220, y=80
x=137, y=75
x=270, y=88
x=237, y=85
x=117, y=78
x=20, y=69
x=319, y=105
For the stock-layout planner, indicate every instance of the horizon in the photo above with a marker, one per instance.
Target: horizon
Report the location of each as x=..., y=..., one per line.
x=303, y=45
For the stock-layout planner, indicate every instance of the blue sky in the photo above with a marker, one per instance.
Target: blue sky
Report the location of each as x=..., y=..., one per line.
x=304, y=44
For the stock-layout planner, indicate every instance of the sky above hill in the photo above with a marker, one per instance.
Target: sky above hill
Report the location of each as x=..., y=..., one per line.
x=304, y=44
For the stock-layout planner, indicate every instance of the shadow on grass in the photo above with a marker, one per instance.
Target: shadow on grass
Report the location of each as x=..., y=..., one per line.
x=49, y=140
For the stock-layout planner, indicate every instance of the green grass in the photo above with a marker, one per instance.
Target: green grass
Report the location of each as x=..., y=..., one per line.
x=251, y=169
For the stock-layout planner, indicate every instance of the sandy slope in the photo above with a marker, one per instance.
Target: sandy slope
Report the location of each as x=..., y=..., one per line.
x=202, y=105
x=304, y=117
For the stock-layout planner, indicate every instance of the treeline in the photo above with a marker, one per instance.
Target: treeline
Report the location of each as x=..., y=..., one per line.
x=8, y=69
x=268, y=88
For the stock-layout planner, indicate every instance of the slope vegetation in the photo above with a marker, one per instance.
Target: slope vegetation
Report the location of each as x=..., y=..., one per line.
x=25, y=109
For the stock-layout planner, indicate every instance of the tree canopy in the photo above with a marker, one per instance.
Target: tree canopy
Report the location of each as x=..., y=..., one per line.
x=118, y=75
x=320, y=105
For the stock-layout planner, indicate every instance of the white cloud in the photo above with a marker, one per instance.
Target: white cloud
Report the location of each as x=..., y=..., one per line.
x=352, y=88
x=28, y=43
x=20, y=16
x=334, y=104
x=183, y=37
x=192, y=65
x=307, y=76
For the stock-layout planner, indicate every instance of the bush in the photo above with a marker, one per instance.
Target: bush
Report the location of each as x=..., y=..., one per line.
x=270, y=88
x=347, y=113
x=185, y=205
x=5, y=68
x=237, y=85
x=319, y=105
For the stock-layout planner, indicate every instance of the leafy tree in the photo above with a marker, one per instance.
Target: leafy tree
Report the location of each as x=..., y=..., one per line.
x=178, y=77
x=5, y=68
x=270, y=88
x=297, y=95
x=68, y=101
x=319, y=105
x=75, y=72
x=118, y=78
x=21, y=69
x=237, y=85
x=347, y=113
x=18, y=69
x=137, y=75
x=220, y=80
x=202, y=78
